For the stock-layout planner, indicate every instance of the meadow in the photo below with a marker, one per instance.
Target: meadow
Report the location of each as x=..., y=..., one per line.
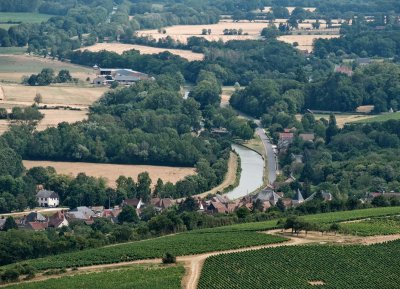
x=381, y=118
x=138, y=277
x=350, y=266
x=120, y=48
x=342, y=119
x=111, y=172
x=8, y=19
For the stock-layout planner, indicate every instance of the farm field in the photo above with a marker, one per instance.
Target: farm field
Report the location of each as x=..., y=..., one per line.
x=178, y=245
x=381, y=118
x=350, y=266
x=342, y=119
x=305, y=41
x=52, y=117
x=111, y=172
x=373, y=227
x=14, y=67
x=138, y=277
x=120, y=48
x=74, y=96
x=21, y=17
x=227, y=92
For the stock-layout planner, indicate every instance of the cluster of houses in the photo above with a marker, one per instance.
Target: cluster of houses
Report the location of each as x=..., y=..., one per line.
x=287, y=137
x=107, y=76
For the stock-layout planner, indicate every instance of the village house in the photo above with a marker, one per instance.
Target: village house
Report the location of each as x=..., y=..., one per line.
x=343, y=69
x=298, y=199
x=325, y=196
x=307, y=137
x=58, y=220
x=162, y=204
x=34, y=221
x=48, y=199
x=285, y=139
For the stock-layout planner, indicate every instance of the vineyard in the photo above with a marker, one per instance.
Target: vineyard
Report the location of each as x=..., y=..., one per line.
x=178, y=245
x=355, y=266
x=325, y=218
x=143, y=277
x=386, y=226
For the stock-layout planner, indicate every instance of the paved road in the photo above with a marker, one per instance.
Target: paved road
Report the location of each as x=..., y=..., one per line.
x=271, y=158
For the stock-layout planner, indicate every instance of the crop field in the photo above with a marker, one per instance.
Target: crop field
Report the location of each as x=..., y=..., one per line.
x=111, y=172
x=324, y=218
x=21, y=95
x=373, y=227
x=297, y=267
x=52, y=117
x=120, y=48
x=138, y=277
x=342, y=119
x=381, y=118
x=305, y=41
x=179, y=245
x=15, y=18
x=14, y=67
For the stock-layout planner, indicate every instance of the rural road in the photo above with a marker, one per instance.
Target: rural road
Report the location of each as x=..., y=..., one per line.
x=271, y=158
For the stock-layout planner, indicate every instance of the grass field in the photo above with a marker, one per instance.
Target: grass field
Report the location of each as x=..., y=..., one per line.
x=111, y=172
x=14, y=67
x=373, y=227
x=21, y=95
x=12, y=50
x=120, y=48
x=297, y=267
x=381, y=118
x=342, y=119
x=181, y=244
x=138, y=277
x=21, y=17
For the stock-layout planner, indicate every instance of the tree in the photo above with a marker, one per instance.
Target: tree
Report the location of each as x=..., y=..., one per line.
x=189, y=205
x=10, y=224
x=280, y=205
x=128, y=215
x=332, y=129
x=64, y=76
x=38, y=98
x=169, y=258
x=242, y=212
x=143, y=187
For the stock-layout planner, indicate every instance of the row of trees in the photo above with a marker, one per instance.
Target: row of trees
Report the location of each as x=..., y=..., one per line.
x=47, y=77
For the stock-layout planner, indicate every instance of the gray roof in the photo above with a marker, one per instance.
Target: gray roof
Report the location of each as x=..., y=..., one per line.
x=126, y=78
x=2, y=222
x=298, y=197
x=35, y=217
x=267, y=195
x=47, y=194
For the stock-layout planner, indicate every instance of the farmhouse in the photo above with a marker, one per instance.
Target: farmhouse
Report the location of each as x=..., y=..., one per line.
x=106, y=76
x=47, y=199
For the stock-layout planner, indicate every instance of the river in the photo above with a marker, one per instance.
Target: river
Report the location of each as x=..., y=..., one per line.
x=251, y=177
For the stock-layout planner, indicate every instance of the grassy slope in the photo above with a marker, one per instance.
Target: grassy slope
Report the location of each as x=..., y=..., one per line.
x=143, y=277
x=363, y=267
x=23, y=17
x=381, y=118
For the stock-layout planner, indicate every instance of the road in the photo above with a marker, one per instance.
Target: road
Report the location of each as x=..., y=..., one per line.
x=271, y=157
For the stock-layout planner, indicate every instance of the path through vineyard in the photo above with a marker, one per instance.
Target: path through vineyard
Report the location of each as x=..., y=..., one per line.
x=194, y=263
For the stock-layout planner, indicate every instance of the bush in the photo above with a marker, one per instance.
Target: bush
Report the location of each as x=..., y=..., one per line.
x=169, y=258
x=10, y=275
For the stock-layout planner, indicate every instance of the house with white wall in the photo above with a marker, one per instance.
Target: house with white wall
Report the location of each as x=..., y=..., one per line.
x=48, y=199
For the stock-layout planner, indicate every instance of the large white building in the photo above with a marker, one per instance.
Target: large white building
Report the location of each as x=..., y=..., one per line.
x=48, y=199
x=106, y=76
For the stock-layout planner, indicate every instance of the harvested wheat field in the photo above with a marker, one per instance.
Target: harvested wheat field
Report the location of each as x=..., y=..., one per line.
x=21, y=95
x=52, y=117
x=120, y=48
x=14, y=67
x=111, y=172
x=305, y=41
x=183, y=32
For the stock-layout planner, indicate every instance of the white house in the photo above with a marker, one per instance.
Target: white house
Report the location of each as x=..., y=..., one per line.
x=47, y=199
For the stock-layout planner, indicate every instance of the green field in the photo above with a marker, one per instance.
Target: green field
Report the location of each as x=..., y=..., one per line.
x=381, y=118
x=179, y=245
x=21, y=17
x=12, y=50
x=350, y=266
x=138, y=277
x=325, y=218
x=383, y=226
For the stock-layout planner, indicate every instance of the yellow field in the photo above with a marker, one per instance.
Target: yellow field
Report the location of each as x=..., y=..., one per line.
x=14, y=67
x=269, y=8
x=305, y=41
x=52, y=117
x=111, y=172
x=120, y=48
x=20, y=95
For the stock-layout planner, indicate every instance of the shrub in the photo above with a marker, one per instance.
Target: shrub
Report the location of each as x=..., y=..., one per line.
x=169, y=258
